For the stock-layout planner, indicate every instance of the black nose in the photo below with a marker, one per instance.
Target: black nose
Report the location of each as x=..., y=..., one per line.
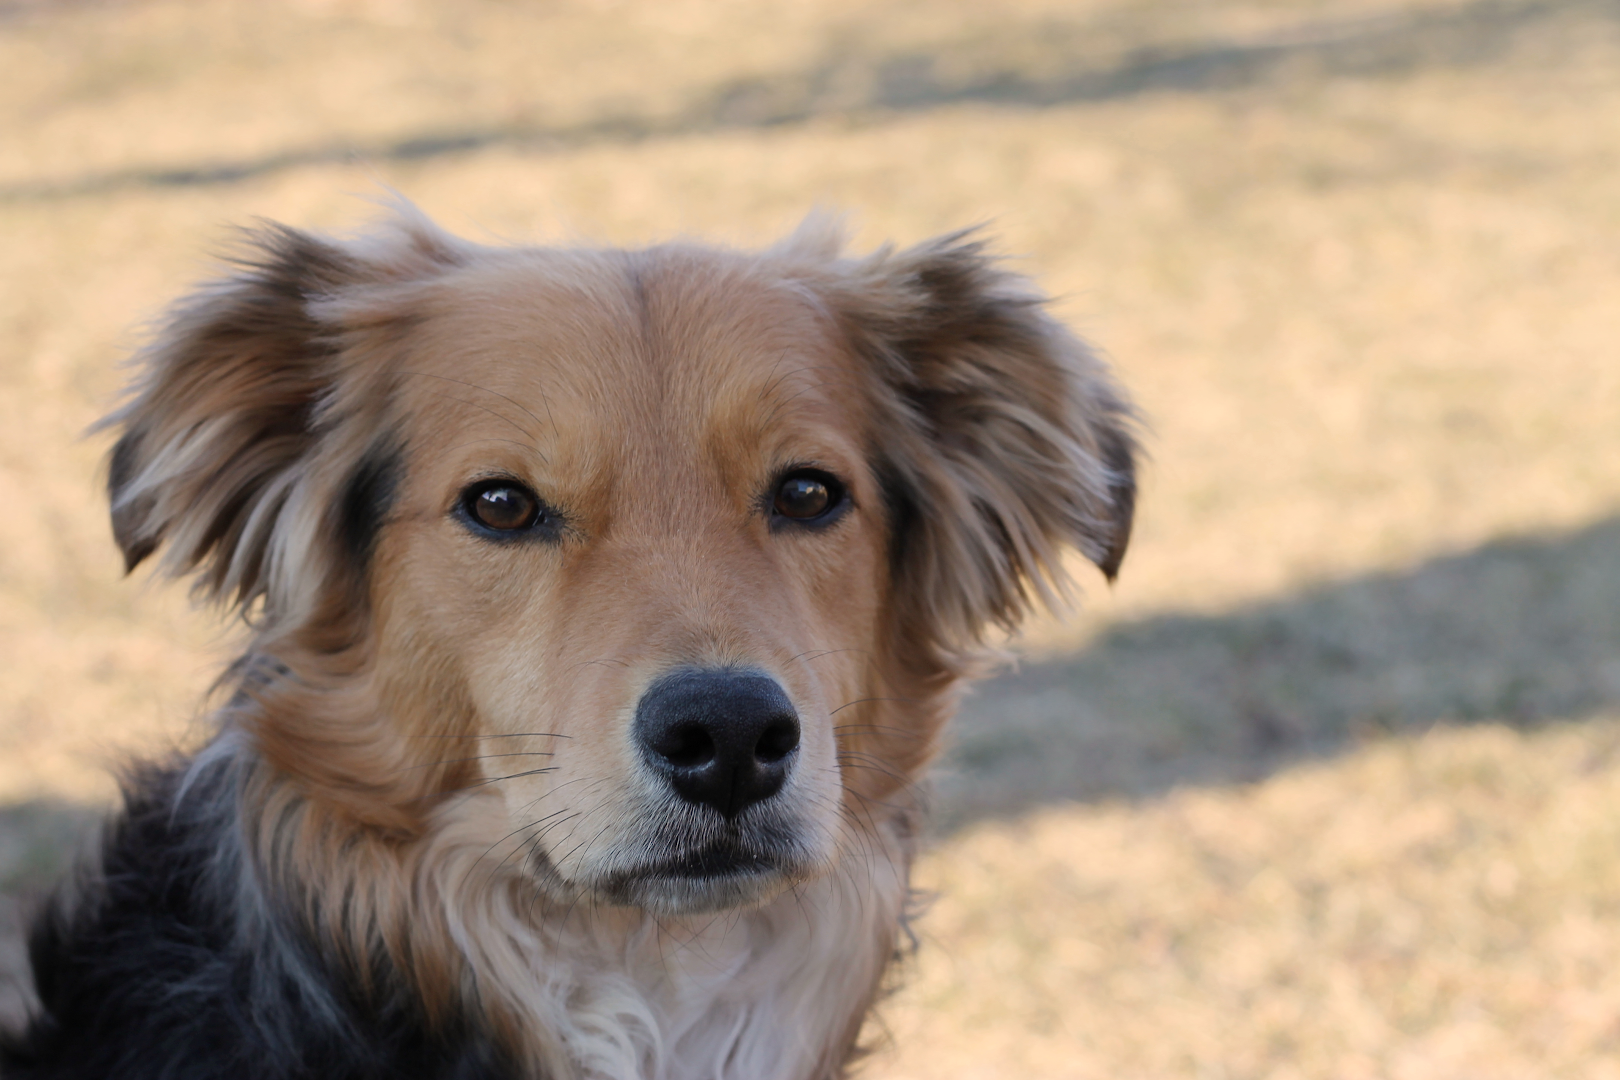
x=724, y=739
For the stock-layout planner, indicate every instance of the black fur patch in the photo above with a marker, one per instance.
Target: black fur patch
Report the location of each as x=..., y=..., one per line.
x=900, y=506
x=163, y=970
x=366, y=500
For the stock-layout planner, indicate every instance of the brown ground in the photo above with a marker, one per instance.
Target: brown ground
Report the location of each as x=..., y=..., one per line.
x=1329, y=785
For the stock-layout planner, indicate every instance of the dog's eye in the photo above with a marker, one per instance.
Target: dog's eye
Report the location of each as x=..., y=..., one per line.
x=503, y=506
x=807, y=495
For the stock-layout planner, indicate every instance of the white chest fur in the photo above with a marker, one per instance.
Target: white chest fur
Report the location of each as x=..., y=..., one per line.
x=775, y=993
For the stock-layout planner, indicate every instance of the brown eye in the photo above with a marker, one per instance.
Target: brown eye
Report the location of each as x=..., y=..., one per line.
x=504, y=507
x=805, y=496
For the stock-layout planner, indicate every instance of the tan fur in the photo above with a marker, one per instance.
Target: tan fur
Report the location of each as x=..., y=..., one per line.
x=436, y=727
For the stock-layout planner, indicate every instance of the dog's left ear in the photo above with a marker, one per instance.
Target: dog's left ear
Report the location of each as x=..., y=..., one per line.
x=1003, y=439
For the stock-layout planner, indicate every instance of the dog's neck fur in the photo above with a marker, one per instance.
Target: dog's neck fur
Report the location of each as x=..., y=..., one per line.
x=576, y=992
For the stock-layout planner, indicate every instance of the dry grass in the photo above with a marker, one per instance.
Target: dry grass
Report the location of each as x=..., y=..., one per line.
x=1445, y=906
x=1359, y=260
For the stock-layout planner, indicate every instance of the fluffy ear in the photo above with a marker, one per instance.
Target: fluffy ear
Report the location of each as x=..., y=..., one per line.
x=1003, y=438
x=218, y=436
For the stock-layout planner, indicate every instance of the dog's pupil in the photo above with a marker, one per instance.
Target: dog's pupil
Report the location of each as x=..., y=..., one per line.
x=504, y=508
x=802, y=497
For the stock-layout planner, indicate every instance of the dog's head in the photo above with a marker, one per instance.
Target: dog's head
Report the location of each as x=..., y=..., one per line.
x=677, y=553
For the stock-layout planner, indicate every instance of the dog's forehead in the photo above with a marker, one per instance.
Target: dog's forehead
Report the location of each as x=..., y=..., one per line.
x=671, y=347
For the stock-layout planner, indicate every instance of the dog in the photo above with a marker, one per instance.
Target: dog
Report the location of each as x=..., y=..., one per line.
x=605, y=607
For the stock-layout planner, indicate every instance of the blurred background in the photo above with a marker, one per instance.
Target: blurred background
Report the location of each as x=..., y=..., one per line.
x=1329, y=784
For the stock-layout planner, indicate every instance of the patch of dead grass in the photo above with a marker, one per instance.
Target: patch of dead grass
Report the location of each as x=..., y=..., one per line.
x=1443, y=906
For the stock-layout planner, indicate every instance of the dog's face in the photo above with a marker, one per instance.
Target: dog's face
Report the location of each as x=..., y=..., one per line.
x=635, y=516
x=677, y=553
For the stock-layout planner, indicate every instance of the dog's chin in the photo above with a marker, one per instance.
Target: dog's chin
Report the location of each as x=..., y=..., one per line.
x=715, y=879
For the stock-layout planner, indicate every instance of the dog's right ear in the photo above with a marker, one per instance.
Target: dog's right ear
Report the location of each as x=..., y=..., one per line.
x=222, y=412
x=217, y=435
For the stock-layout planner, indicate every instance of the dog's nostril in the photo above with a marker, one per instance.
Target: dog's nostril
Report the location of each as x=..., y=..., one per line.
x=779, y=740
x=685, y=746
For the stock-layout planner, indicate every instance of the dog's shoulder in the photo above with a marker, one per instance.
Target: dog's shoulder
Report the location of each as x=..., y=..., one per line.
x=161, y=962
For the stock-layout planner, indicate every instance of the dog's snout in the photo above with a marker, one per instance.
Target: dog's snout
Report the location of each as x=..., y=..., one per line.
x=724, y=739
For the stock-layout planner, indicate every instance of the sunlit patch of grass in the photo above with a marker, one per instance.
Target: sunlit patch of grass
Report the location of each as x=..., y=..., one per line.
x=1440, y=906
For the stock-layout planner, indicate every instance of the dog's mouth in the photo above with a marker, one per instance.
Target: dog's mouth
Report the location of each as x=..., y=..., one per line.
x=676, y=861
x=716, y=877
x=714, y=861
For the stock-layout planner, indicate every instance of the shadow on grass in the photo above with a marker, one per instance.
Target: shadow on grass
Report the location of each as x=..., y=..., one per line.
x=1517, y=631
x=1031, y=64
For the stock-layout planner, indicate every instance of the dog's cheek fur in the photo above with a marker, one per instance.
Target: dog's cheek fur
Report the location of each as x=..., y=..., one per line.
x=1002, y=442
